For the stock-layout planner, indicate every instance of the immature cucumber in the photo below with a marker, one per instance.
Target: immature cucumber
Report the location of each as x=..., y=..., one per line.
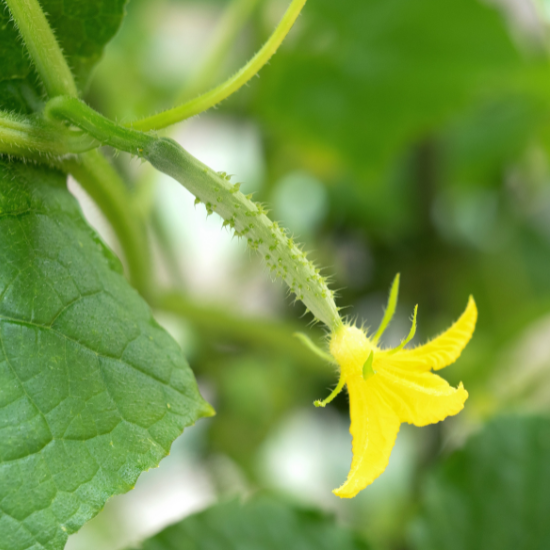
x=249, y=221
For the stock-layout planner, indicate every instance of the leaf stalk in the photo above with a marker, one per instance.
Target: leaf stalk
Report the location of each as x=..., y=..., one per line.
x=43, y=47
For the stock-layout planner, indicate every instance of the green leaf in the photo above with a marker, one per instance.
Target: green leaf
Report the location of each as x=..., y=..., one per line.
x=82, y=27
x=364, y=78
x=493, y=494
x=92, y=390
x=262, y=523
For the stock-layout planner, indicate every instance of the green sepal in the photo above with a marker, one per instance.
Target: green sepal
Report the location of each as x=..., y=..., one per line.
x=390, y=310
x=410, y=336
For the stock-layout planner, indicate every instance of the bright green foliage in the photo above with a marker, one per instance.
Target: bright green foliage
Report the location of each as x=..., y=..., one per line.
x=365, y=77
x=492, y=494
x=82, y=28
x=263, y=523
x=92, y=390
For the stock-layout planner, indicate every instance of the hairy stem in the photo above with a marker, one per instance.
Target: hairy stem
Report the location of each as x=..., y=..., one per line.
x=231, y=85
x=43, y=47
x=101, y=181
x=69, y=109
x=33, y=137
x=248, y=220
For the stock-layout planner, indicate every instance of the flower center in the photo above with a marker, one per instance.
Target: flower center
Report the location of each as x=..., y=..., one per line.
x=351, y=348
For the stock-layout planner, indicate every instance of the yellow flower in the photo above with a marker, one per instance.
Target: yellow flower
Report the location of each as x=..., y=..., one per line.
x=388, y=387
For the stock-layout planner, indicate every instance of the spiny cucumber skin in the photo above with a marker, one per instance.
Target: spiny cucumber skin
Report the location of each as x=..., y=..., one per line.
x=248, y=220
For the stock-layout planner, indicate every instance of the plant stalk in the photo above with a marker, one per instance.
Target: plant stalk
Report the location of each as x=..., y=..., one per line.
x=101, y=181
x=43, y=47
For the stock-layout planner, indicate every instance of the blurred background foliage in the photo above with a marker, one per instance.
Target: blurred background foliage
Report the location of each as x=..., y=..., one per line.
x=388, y=136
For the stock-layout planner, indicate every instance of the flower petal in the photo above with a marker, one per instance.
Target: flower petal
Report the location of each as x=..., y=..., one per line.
x=420, y=398
x=441, y=351
x=374, y=427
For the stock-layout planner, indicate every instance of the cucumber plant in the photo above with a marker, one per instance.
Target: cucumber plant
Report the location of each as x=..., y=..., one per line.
x=92, y=390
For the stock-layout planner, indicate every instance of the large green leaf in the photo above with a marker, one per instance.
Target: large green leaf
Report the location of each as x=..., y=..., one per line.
x=82, y=27
x=364, y=77
x=92, y=390
x=493, y=494
x=264, y=523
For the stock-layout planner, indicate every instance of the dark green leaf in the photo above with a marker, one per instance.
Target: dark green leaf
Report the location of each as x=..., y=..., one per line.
x=82, y=27
x=493, y=494
x=263, y=523
x=365, y=77
x=92, y=390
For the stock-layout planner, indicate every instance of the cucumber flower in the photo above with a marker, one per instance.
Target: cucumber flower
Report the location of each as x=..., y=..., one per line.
x=389, y=386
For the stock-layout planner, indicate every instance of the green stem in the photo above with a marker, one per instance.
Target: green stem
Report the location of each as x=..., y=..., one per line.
x=231, y=85
x=43, y=47
x=100, y=180
x=33, y=137
x=248, y=219
x=69, y=109
x=232, y=21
